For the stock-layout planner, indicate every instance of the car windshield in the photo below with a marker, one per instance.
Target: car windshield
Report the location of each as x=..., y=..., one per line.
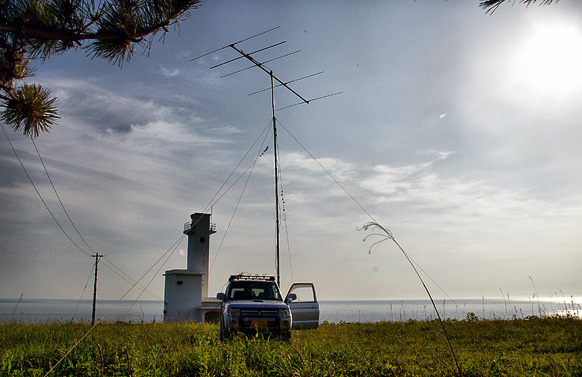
x=253, y=290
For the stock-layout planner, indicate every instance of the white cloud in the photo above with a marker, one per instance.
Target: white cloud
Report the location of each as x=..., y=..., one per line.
x=170, y=72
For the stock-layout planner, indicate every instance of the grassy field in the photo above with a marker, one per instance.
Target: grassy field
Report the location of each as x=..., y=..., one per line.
x=526, y=347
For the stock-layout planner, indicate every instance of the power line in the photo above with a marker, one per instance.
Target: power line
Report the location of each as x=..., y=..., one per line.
x=58, y=197
x=109, y=264
x=112, y=307
x=40, y=196
x=116, y=270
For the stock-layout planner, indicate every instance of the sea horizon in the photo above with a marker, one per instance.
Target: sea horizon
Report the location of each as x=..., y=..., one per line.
x=28, y=310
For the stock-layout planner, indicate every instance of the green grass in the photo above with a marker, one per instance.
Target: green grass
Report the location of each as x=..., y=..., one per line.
x=534, y=347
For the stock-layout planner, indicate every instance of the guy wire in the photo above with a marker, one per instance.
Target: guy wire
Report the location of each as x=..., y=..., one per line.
x=390, y=236
x=212, y=201
x=84, y=289
x=154, y=276
x=250, y=170
x=328, y=173
x=284, y=219
x=112, y=307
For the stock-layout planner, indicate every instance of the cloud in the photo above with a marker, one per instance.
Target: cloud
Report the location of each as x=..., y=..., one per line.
x=418, y=198
x=301, y=167
x=397, y=182
x=170, y=72
x=87, y=103
x=120, y=163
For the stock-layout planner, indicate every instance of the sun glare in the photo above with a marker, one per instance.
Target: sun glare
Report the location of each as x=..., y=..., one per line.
x=552, y=60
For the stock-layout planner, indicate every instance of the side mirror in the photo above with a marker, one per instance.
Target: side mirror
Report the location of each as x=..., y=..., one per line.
x=291, y=297
x=221, y=296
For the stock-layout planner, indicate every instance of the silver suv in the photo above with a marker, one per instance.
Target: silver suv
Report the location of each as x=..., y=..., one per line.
x=253, y=304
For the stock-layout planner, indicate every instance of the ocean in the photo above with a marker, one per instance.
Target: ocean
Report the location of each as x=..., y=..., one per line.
x=54, y=310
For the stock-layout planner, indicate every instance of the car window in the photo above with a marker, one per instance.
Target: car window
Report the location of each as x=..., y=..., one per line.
x=304, y=292
x=253, y=290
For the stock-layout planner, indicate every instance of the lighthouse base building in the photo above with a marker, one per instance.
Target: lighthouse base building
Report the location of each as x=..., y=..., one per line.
x=186, y=291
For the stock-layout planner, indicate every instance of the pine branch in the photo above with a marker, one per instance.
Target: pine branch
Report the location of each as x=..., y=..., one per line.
x=30, y=109
x=40, y=29
x=491, y=6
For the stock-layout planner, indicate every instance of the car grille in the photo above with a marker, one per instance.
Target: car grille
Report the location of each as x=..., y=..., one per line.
x=259, y=313
x=266, y=317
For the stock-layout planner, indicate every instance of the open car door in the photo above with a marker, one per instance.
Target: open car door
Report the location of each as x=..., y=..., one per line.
x=304, y=308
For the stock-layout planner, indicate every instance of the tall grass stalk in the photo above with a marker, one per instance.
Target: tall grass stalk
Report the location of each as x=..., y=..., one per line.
x=388, y=236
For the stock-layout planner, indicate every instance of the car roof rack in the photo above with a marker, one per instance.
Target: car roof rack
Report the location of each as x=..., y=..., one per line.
x=250, y=277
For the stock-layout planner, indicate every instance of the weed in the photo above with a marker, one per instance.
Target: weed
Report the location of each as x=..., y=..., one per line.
x=549, y=346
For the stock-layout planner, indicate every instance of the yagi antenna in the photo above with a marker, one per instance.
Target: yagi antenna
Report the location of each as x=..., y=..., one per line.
x=258, y=64
x=261, y=65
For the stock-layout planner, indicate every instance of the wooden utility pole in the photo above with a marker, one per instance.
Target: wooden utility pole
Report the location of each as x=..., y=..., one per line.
x=97, y=256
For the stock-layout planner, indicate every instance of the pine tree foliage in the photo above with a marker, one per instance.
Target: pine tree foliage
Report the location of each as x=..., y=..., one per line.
x=491, y=5
x=40, y=29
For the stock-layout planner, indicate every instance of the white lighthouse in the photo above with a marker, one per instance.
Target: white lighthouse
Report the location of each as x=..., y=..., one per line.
x=186, y=292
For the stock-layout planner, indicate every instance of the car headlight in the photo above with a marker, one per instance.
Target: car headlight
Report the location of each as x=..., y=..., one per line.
x=284, y=313
x=233, y=312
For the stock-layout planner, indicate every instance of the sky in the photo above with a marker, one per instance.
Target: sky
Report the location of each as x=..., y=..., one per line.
x=457, y=130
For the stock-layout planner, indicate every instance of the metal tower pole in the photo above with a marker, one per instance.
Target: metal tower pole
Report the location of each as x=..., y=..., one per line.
x=276, y=181
x=280, y=83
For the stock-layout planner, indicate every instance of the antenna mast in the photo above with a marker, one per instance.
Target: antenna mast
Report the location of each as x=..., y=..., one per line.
x=274, y=78
x=276, y=181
